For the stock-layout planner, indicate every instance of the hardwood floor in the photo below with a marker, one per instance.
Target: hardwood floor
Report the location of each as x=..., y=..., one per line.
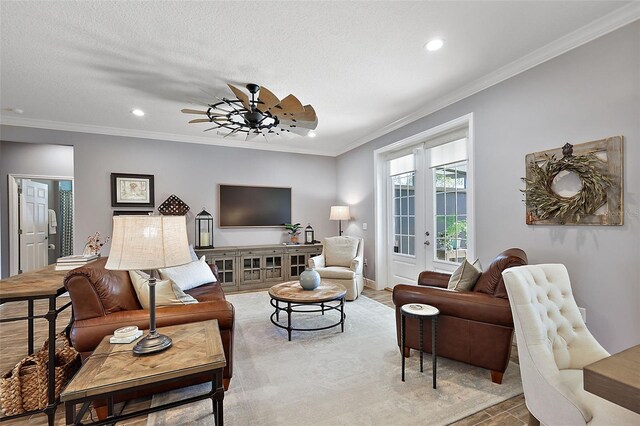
x=13, y=346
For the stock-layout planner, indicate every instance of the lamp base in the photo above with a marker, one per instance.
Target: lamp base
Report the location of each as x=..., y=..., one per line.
x=151, y=344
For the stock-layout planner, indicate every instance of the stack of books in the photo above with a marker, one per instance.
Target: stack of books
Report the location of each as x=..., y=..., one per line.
x=72, y=262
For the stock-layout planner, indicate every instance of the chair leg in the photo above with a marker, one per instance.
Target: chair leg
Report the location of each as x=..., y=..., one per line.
x=496, y=377
x=225, y=383
x=406, y=352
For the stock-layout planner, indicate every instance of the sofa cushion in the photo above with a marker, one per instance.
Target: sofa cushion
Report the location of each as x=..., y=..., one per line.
x=340, y=251
x=190, y=275
x=112, y=288
x=336, y=272
x=167, y=292
x=465, y=277
x=207, y=293
x=491, y=282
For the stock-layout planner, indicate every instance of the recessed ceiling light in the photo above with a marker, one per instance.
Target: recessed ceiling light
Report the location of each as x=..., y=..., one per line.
x=434, y=45
x=137, y=112
x=312, y=134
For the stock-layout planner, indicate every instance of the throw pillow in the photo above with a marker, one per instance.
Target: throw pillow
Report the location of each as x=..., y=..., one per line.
x=189, y=276
x=465, y=277
x=167, y=293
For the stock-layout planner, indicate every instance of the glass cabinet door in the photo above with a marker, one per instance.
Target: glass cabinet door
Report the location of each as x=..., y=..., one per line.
x=273, y=268
x=251, y=269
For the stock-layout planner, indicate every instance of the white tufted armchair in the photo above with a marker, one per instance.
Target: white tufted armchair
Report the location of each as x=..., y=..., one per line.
x=554, y=345
x=341, y=261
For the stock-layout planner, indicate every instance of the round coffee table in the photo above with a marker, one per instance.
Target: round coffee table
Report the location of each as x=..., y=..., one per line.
x=292, y=295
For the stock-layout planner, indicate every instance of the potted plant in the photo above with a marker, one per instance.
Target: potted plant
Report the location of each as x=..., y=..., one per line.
x=294, y=230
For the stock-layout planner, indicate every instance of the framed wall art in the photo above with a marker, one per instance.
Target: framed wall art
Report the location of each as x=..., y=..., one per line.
x=131, y=190
x=595, y=197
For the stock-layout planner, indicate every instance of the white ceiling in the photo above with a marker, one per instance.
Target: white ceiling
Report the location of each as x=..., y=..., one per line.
x=85, y=65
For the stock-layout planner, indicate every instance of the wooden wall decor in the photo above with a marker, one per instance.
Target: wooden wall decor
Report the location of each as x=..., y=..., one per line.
x=598, y=164
x=173, y=206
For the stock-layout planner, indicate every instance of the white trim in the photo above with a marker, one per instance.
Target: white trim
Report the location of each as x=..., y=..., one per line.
x=608, y=23
x=380, y=156
x=146, y=134
x=14, y=242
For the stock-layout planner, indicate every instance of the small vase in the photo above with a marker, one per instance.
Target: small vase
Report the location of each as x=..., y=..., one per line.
x=294, y=239
x=309, y=279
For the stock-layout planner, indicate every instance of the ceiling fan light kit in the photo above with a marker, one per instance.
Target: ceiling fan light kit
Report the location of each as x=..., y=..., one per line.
x=266, y=115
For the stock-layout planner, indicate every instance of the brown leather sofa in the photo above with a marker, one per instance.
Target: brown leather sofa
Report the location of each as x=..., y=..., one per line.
x=475, y=327
x=105, y=300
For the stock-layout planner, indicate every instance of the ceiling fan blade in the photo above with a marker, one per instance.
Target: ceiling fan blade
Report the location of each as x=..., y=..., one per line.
x=289, y=105
x=292, y=124
x=193, y=111
x=206, y=120
x=241, y=95
x=266, y=99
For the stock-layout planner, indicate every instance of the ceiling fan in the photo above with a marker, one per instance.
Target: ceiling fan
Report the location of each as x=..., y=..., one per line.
x=266, y=115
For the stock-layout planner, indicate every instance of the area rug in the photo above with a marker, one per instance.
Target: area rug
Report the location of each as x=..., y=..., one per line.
x=328, y=377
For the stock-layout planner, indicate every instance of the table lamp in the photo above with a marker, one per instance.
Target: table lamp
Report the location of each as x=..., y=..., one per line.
x=339, y=213
x=149, y=243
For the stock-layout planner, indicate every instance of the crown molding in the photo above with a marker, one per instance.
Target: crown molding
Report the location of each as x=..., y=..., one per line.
x=145, y=134
x=608, y=23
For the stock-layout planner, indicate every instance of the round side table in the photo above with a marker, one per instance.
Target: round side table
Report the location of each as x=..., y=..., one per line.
x=420, y=311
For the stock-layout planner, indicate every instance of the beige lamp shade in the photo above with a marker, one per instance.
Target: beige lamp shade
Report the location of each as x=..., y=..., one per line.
x=148, y=242
x=339, y=213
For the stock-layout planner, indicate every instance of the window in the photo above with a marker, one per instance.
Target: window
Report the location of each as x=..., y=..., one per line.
x=403, y=177
x=450, y=187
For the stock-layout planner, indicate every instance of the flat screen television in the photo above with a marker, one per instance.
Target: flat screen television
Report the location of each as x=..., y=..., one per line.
x=254, y=206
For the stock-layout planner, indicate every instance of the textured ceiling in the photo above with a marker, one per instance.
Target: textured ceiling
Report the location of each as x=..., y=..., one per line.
x=86, y=65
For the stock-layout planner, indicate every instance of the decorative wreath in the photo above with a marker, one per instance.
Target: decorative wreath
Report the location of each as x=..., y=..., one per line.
x=544, y=203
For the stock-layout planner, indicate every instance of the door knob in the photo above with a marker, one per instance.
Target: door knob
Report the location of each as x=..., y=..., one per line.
x=427, y=233
x=426, y=243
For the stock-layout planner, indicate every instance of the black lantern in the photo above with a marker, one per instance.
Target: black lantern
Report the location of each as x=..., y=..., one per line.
x=308, y=235
x=204, y=230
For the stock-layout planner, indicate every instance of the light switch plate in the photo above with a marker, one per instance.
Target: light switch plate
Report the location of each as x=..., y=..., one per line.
x=364, y=226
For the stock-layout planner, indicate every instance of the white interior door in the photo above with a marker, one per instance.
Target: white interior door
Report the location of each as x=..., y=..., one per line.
x=410, y=237
x=34, y=221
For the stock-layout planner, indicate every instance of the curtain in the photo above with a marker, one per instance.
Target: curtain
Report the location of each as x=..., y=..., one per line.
x=66, y=222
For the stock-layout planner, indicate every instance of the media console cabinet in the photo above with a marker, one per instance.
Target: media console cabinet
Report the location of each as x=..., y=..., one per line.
x=261, y=266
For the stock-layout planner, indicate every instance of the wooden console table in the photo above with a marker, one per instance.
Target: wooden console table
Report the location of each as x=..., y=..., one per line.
x=616, y=378
x=260, y=266
x=43, y=284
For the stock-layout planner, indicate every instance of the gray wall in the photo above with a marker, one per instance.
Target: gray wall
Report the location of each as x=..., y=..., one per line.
x=192, y=172
x=27, y=159
x=586, y=94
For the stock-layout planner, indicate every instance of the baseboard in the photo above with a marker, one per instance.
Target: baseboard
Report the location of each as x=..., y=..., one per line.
x=370, y=284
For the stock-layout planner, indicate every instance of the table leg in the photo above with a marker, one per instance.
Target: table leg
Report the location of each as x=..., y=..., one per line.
x=322, y=305
x=30, y=312
x=277, y=310
x=421, y=344
x=51, y=318
x=289, y=319
x=342, y=314
x=70, y=412
x=219, y=412
x=403, y=332
x=434, y=357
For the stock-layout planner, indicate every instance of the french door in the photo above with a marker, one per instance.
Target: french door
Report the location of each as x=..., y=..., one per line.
x=409, y=205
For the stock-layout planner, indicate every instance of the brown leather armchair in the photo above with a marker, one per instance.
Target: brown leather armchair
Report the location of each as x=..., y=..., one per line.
x=105, y=300
x=475, y=327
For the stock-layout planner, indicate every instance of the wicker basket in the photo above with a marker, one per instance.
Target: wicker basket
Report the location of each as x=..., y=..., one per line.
x=25, y=387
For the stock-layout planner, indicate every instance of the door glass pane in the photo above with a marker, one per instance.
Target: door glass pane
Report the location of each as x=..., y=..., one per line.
x=450, y=210
x=404, y=212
